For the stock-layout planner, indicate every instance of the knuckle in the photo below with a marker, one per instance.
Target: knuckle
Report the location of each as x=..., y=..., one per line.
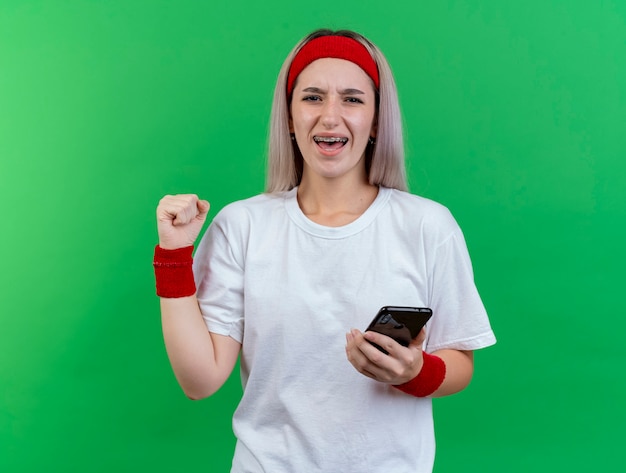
x=376, y=357
x=189, y=199
x=407, y=358
x=163, y=201
x=395, y=371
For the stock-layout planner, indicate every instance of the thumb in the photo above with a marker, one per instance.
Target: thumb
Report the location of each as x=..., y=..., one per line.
x=203, y=207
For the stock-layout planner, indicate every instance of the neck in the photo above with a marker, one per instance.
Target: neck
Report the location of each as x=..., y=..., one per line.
x=333, y=203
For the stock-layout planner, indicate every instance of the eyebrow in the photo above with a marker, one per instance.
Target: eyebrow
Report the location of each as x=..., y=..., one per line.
x=317, y=90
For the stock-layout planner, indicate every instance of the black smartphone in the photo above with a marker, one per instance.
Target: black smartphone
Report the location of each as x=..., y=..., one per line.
x=402, y=324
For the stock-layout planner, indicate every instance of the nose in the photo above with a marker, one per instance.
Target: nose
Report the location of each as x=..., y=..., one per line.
x=330, y=113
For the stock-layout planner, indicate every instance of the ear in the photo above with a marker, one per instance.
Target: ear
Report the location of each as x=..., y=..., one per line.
x=374, y=130
x=290, y=124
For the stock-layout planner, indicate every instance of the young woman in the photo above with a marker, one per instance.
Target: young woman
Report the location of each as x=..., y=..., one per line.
x=287, y=280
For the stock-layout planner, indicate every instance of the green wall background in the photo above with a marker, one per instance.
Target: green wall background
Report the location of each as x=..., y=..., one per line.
x=515, y=115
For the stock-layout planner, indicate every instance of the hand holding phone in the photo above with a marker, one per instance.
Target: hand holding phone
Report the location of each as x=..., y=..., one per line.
x=402, y=324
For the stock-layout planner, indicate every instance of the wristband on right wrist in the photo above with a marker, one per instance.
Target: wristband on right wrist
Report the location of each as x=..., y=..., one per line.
x=173, y=272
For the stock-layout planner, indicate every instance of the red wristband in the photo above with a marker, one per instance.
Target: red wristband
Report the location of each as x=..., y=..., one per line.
x=429, y=378
x=173, y=272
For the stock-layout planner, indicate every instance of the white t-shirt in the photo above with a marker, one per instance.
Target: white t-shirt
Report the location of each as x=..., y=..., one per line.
x=289, y=289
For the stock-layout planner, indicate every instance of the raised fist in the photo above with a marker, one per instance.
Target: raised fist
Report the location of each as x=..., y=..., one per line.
x=180, y=219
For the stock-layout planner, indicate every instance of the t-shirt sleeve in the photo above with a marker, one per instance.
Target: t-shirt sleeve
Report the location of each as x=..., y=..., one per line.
x=459, y=317
x=219, y=276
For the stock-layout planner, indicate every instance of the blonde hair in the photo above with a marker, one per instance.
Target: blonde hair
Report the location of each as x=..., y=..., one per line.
x=384, y=159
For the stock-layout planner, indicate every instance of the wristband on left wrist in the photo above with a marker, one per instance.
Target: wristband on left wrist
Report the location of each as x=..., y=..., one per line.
x=428, y=380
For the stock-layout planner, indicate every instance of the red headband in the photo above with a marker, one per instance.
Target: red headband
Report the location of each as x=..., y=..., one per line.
x=339, y=47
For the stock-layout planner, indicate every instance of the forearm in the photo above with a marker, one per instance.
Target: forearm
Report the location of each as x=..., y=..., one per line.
x=459, y=370
x=201, y=361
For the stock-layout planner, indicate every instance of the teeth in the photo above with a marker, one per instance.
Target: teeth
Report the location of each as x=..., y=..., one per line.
x=329, y=139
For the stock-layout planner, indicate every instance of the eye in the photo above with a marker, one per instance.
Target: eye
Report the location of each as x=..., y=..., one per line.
x=311, y=98
x=353, y=100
